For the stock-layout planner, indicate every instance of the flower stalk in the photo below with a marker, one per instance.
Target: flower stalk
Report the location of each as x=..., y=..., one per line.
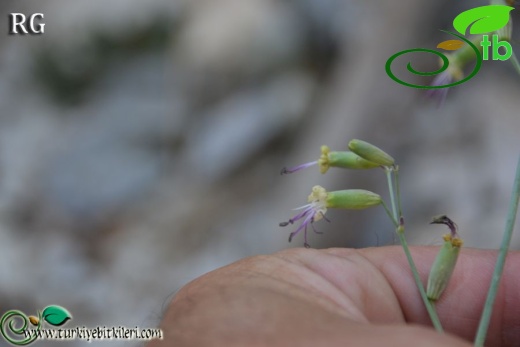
x=398, y=221
x=373, y=153
x=499, y=266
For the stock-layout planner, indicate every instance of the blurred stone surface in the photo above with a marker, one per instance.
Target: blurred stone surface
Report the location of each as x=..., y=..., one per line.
x=240, y=126
x=141, y=142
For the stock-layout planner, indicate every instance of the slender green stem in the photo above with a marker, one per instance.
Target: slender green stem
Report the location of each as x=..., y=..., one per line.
x=397, y=191
x=499, y=267
x=429, y=305
x=396, y=219
x=396, y=224
x=388, y=172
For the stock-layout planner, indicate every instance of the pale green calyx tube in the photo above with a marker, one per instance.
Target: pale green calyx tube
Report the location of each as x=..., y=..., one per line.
x=355, y=199
x=444, y=264
x=343, y=159
x=371, y=153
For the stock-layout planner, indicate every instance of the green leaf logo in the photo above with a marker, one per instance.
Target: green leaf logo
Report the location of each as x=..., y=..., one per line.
x=483, y=19
x=56, y=315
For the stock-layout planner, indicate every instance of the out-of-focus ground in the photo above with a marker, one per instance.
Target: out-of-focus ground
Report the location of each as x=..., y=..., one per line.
x=141, y=141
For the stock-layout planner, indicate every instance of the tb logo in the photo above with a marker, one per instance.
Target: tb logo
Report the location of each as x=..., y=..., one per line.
x=20, y=24
x=495, y=45
x=490, y=23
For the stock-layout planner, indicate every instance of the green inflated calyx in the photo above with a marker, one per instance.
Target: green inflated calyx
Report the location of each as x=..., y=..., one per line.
x=371, y=153
x=443, y=267
x=344, y=159
x=355, y=199
x=444, y=264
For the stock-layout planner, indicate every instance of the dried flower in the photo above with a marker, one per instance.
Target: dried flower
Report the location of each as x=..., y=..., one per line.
x=446, y=259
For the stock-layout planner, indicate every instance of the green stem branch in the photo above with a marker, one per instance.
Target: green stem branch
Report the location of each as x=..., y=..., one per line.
x=430, y=307
x=388, y=172
x=387, y=210
x=398, y=192
x=499, y=267
x=396, y=219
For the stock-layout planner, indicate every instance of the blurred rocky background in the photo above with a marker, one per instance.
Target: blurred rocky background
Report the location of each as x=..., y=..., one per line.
x=141, y=141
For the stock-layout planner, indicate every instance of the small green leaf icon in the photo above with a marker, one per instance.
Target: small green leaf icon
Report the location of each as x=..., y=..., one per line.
x=483, y=19
x=56, y=315
x=451, y=45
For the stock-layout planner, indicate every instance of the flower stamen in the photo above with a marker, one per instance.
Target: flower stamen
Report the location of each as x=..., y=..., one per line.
x=286, y=171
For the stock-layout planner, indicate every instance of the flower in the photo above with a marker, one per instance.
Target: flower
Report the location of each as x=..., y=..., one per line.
x=439, y=95
x=456, y=63
x=320, y=200
x=443, y=219
x=328, y=159
x=312, y=212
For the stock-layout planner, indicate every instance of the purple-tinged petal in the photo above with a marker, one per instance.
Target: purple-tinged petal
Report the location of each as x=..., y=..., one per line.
x=300, y=215
x=302, y=226
x=304, y=206
x=439, y=95
x=312, y=212
x=286, y=171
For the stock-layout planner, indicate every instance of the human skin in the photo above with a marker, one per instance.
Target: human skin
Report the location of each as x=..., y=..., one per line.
x=341, y=297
